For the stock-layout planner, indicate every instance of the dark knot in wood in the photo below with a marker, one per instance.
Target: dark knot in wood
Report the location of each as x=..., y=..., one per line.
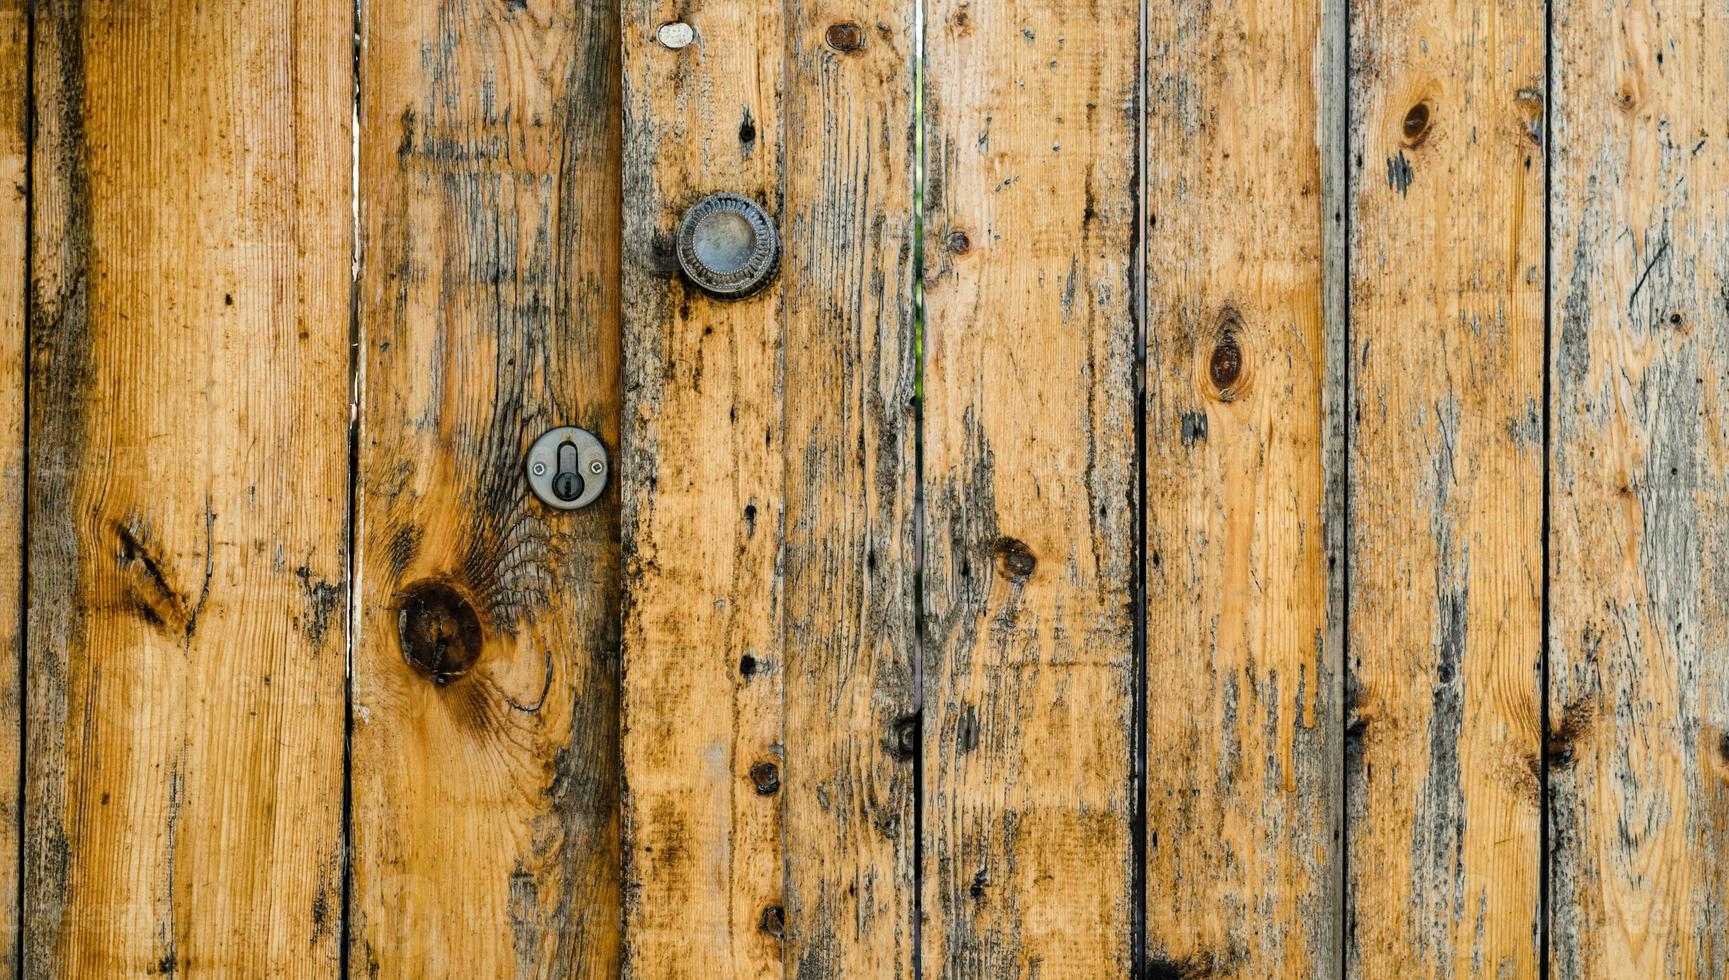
x=439, y=630
x=1417, y=121
x=845, y=38
x=1015, y=559
x=773, y=921
x=766, y=777
x=1226, y=365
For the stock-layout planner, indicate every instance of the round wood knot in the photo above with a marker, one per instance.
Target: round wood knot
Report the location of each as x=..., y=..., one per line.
x=773, y=921
x=845, y=38
x=766, y=777
x=439, y=631
x=958, y=242
x=1015, y=559
x=1227, y=363
x=1418, y=120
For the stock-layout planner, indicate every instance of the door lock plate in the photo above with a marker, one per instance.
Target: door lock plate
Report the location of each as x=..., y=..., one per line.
x=567, y=468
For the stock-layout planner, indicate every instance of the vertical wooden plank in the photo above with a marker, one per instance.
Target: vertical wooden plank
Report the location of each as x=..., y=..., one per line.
x=850, y=443
x=189, y=433
x=1244, y=503
x=485, y=804
x=1446, y=465
x=703, y=505
x=1029, y=471
x=14, y=198
x=1639, y=685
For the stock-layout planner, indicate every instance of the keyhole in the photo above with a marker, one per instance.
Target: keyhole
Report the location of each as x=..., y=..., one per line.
x=568, y=482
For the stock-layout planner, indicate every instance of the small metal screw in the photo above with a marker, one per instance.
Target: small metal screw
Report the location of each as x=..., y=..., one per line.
x=538, y=469
x=597, y=467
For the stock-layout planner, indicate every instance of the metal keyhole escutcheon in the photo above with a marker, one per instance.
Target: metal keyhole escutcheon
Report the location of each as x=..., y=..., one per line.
x=727, y=246
x=567, y=468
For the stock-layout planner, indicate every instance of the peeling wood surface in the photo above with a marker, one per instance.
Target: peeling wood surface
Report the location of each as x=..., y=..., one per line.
x=1244, y=497
x=1443, y=712
x=704, y=508
x=188, y=432
x=14, y=196
x=485, y=779
x=1029, y=470
x=1639, y=683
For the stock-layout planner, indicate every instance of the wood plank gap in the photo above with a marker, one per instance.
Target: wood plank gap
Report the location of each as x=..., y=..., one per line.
x=1545, y=800
x=356, y=412
x=26, y=107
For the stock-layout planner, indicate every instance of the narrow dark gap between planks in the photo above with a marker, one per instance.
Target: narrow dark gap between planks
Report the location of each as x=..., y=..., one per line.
x=22, y=645
x=1138, y=549
x=1342, y=820
x=352, y=532
x=1544, y=798
x=919, y=176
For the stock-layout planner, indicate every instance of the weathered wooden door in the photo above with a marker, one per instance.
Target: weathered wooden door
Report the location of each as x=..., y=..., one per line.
x=1201, y=490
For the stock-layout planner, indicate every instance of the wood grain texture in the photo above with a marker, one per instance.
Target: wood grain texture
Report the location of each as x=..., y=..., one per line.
x=485, y=804
x=850, y=443
x=189, y=420
x=703, y=509
x=1029, y=472
x=14, y=198
x=1639, y=683
x=1243, y=495
x=1443, y=740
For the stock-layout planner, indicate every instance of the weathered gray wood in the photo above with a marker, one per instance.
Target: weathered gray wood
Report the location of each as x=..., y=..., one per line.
x=1638, y=754
x=1443, y=705
x=1029, y=483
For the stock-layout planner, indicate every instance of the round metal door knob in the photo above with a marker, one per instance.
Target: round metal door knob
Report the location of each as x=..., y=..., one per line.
x=727, y=246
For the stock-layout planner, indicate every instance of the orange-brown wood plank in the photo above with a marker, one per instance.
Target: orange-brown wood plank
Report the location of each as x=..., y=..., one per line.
x=1029, y=483
x=704, y=507
x=485, y=802
x=769, y=708
x=14, y=195
x=189, y=442
x=1639, y=576
x=1244, y=488
x=850, y=440
x=1443, y=741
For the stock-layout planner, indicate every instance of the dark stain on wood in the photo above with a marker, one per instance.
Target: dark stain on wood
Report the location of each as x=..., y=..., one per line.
x=322, y=601
x=155, y=597
x=1163, y=968
x=1399, y=173
x=1194, y=428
